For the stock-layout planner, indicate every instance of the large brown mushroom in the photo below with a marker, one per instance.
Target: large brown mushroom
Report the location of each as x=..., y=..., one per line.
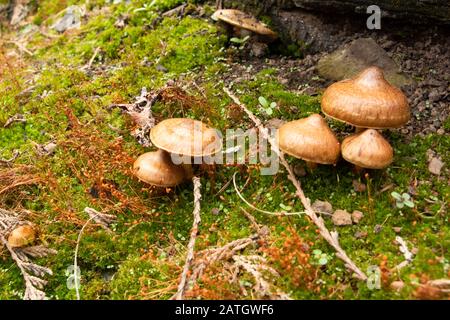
x=244, y=24
x=367, y=149
x=189, y=138
x=309, y=139
x=156, y=168
x=366, y=101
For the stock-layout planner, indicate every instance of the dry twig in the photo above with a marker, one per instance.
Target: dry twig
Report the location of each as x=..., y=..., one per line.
x=190, y=250
x=406, y=253
x=330, y=237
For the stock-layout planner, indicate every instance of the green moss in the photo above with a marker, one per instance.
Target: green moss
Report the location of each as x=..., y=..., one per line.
x=137, y=260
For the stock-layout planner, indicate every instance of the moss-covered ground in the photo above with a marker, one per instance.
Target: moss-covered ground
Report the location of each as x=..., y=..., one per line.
x=91, y=167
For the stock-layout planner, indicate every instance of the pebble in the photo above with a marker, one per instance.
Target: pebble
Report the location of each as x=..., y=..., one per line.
x=322, y=206
x=357, y=216
x=341, y=218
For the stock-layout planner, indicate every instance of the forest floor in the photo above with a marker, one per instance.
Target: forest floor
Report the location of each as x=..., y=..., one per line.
x=62, y=84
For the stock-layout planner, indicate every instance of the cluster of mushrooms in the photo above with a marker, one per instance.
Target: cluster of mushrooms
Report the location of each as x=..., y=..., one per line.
x=187, y=138
x=367, y=102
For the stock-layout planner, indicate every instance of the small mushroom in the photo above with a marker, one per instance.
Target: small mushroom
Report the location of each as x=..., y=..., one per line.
x=244, y=24
x=186, y=137
x=309, y=139
x=367, y=149
x=156, y=168
x=21, y=236
x=366, y=101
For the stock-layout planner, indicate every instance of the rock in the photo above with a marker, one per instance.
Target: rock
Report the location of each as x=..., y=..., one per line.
x=397, y=229
x=377, y=228
x=358, y=186
x=341, y=218
x=258, y=49
x=350, y=59
x=161, y=68
x=435, y=166
x=361, y=234
x=71, y=19
x=397, y=285
x=357, y=216
x=322, y=206
x=299, y=170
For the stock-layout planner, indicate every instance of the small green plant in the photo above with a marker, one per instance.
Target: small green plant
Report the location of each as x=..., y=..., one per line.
x=320, y=257
x=268, y=107
x=402, y=200
x=240, y=41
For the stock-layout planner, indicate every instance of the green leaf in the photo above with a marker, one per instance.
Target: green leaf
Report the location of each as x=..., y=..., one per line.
x=396, y=195
x=273, y=105
x=406, y=196
x=409, y=203
x=263, y=102
x=400, y=205
x=287, y=208
x=323, y=261
x=237, y=40
x=317, y=252
x=269, y=111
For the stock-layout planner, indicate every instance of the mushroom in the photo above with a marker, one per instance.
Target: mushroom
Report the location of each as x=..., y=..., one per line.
x=156, y=168
x=366, y=101
x=367, y=149
x=309, y=139
x=186, y=137
x=244, y=25
x=21, y=236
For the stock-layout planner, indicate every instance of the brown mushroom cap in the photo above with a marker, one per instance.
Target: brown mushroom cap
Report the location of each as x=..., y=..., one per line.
x=367, y=149
x=309, y=139
x=156, y=168
x=366, y=101
x=21, y=236
x=186, y=137
x=243, y=20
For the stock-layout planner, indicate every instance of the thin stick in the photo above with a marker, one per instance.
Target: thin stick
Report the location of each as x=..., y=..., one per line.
x=330, y=237
x=190, y=253
x=75, y=259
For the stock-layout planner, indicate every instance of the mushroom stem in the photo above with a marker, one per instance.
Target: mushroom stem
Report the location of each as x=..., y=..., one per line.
x=358, y=169
x=359, y=129
x=311, y=165
x=187, y=167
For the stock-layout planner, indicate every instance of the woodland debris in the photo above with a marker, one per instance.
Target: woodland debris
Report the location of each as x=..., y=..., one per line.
x=408, y=255
x=47, y=149
x=331, y=237
x=103, y=219
x=8, y=162
x=257, y=267
x=341, y=218
x=141, y=113
x=15, y=118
